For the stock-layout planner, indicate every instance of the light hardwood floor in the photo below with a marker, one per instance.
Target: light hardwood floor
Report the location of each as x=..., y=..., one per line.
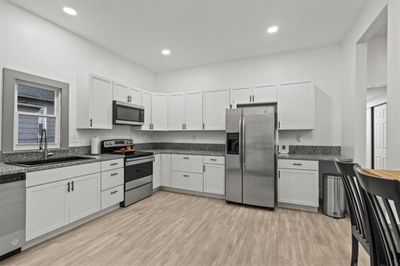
x=175, y=229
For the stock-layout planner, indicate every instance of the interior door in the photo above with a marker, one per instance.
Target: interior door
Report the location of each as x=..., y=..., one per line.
x=84, y=196
x=380, y=131
x=259, y=156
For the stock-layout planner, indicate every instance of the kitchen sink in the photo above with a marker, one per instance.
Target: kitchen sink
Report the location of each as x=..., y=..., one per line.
x=50, y=161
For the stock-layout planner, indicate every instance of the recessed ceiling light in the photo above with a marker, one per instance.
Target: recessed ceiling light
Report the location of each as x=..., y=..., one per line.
x=273, y=29
x=165, y=52
x=70, y=11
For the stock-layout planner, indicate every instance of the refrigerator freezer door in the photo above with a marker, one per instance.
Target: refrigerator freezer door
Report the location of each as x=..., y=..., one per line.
x=259, y=156
x=233, y=166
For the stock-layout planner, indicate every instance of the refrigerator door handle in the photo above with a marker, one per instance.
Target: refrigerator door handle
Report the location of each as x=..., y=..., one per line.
x=244, y=143
x=240, y=146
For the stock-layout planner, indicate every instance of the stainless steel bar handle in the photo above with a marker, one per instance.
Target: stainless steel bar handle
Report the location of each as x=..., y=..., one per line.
x=244, y=143
x=240, y=145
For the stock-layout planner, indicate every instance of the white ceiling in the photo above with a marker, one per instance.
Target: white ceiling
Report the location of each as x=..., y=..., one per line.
x=201, y=32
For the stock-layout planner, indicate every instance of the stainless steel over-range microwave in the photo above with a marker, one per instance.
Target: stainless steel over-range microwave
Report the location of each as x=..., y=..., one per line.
x=127, y=114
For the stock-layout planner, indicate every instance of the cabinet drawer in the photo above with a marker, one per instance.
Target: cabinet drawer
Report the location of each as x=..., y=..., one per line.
x=112, y=196
x=113, y=164
x=214, y=159
x=112, y=178
x=187, y=163
x=188, y=181
x=298, y=164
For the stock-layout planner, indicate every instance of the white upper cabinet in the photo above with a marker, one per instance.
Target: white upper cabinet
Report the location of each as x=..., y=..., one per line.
x=176, y=111
x=119, y=92
x=264, y=94
x=296, y=106
x=94, y=105
x=241, y=95
x=146, y=102
x=134, y=96
x=159, y=111
x=256, y=94
x=215, y=103
x=194, y=110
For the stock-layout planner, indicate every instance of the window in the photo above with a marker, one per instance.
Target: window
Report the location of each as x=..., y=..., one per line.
x=37, y=109
x=30, y=104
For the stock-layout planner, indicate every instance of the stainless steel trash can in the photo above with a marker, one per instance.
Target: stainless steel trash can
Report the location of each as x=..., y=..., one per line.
x=334, y=196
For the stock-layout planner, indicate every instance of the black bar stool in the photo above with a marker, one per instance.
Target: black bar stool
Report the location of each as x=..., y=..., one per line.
x=355, y=202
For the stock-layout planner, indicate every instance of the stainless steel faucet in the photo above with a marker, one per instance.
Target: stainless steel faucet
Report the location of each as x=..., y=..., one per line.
x=45, y=151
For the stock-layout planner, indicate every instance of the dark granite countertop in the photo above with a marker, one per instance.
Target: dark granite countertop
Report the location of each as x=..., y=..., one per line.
x=312, y=157
x=8, y=169
x=188, y=152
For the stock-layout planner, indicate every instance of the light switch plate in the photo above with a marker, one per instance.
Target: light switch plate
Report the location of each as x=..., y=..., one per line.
x=73, y=139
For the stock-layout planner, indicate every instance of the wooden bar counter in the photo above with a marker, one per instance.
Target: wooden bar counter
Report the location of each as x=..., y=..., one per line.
x=390, y=174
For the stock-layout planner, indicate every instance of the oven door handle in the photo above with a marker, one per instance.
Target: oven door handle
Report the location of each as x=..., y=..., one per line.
x=130, y=162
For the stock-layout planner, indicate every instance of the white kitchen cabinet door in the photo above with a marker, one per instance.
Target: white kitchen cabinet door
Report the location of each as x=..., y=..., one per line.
x=159, y=111
x=215, y=104
x=241, y=95
x=296, y=106
x=101, y=93
x=94, y=102
x=176, y=111
x=47, y=208
x=119, y=92
x=298, y=187
x=84, y=196
x=156, y=171
x=187, y=181
x=214, y=179
x=146, y=102
x=264, y=94
x=134, y=96
x=166, y=162
x=194, y=110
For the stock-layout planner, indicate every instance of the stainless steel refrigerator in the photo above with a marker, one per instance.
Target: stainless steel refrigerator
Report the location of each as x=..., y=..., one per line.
x=250, y=156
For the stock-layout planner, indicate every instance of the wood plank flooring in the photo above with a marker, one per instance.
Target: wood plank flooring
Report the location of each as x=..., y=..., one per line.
x=176, y=229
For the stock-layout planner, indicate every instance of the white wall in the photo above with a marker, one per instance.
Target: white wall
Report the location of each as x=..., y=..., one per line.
x=321, y=65
x=377, y=61
x=354, y=94
x=31, y=44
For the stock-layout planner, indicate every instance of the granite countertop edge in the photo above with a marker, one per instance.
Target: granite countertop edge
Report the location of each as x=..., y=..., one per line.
x=313, y=157
x=9, y=169
x=187, y=152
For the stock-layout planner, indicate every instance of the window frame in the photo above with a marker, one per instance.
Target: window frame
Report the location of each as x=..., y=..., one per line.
x=9, y=131
x=57, y=115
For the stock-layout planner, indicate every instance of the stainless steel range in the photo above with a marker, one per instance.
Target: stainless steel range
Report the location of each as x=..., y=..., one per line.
x=138, y=169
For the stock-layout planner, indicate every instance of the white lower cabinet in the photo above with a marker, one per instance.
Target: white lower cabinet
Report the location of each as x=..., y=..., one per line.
x=214, y=179
x=156, y=171
x=51, y=206
x=58, y=197
x=112, y=196
x=166, y=162
x=46, y=208
x=84, y=197
x=298, y=183
x=187, y=181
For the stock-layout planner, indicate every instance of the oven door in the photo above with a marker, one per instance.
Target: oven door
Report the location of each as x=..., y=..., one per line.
x=127, y=114
x=138, y=172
